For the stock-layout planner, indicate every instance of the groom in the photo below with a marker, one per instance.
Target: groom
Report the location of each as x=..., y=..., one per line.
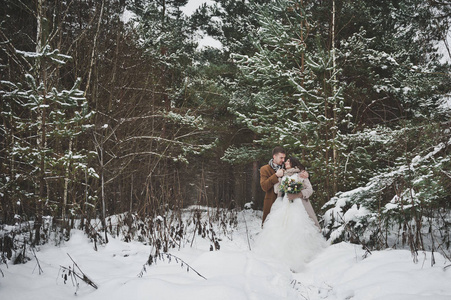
x=269, y=176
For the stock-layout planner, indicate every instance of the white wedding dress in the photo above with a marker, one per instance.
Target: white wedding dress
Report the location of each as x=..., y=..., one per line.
x=289, y=235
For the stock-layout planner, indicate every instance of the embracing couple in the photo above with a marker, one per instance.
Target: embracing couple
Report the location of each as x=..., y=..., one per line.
x=277, y=171
x=291, y=231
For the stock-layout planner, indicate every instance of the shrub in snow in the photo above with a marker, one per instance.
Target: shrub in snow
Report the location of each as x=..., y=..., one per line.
x=406, y=205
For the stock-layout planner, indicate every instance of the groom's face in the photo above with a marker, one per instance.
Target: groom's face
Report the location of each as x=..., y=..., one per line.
x=279, y=158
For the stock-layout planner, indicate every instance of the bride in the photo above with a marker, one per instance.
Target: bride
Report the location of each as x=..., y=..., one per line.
x=291, y=232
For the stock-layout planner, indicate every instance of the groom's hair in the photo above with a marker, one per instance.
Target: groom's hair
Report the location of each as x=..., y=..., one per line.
x=278, y=150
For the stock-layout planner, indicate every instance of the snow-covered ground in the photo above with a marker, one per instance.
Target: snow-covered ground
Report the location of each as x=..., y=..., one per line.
x=233, y=272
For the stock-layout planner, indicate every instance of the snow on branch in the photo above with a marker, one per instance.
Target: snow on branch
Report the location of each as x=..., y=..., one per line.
x=53, y=55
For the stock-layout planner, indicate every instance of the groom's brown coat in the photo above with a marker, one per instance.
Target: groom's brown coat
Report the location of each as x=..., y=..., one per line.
x=268, y=179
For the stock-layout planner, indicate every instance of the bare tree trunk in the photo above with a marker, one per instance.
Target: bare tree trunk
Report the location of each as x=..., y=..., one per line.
x=302, y=40
x=99, y=145
x=7, y=201
x=131, y=195
x=114, y=70
x=102, y=178
x=66, y=184
x=102, y=186
x=39, y=33
x=255, y=183
x=334, y=91
x=93, y=52
x=41, y=140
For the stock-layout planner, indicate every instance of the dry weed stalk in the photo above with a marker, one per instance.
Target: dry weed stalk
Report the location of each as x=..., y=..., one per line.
x=75, y=272
x=162, y=256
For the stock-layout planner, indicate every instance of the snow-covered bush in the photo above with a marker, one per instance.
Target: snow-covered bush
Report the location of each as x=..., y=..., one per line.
x=405, y=204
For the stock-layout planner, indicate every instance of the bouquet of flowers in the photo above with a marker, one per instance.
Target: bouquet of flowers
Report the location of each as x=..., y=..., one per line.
x=290, y=186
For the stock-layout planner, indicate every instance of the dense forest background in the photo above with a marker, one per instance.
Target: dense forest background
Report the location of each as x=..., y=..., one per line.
x=110, y=107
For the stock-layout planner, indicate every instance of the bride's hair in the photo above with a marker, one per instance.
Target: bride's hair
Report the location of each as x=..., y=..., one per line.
x=296, y=163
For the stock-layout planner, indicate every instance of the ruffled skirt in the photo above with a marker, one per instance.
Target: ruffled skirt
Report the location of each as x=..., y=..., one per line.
x=289, y=235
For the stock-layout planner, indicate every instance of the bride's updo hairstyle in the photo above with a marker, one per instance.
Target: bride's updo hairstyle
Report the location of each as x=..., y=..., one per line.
x=296, y=163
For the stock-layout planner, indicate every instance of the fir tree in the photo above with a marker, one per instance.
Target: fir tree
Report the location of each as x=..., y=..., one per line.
x=43, y=125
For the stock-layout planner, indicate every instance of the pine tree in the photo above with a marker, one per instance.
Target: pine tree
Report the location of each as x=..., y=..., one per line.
x=291, y=97
x=43, y=125
x=395, y=157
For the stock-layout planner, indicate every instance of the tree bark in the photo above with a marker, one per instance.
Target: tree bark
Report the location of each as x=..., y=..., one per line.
x=334, y=91
x=93, y=52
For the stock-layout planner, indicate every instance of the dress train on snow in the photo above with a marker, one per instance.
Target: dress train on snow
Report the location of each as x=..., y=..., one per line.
x=289, y=235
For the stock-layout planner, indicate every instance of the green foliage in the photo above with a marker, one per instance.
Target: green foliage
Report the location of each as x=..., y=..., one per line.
x=289, y=93
x=399, y=201
x=41, y=124
x=366, y=108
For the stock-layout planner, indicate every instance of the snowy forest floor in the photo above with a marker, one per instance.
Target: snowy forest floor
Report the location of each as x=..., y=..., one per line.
x=342, y=271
